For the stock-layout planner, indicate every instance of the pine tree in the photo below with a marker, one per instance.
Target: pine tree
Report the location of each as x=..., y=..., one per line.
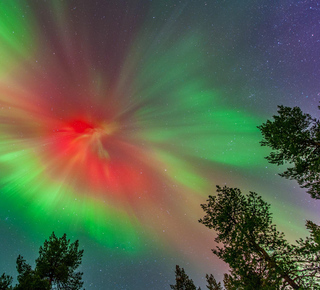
x=57, y=262
x=55, y=267
x=212, y=283
x=5, y=282
x=307, y=257
x=258, y=255
x=183, y=282
x=29, y=279
x=294, y=138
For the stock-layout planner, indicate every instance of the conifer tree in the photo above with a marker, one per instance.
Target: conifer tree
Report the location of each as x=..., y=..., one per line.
x=183, y=282
x=212, y=283
x=55, y=267
x=258, y=255
x=5, y=282
x=57, y=262
x=294, y=138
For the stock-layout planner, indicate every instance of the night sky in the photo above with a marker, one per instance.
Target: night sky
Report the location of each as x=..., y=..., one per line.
x=118, y=118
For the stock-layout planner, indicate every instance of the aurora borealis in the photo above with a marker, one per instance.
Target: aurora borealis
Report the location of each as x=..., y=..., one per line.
x=118, y=118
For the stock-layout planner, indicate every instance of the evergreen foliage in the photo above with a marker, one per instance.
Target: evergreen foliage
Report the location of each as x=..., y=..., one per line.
x=294, y=138
x=55, y=267
x=307, y=257
x=29, y=279
x=212, y=283
x=183, y=282
x=258, y=255
x=57, y=262
x=243, y=225
x=5, y=282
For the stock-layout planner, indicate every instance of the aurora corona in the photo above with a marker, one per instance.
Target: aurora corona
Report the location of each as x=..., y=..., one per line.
x=71, y=139
x=118, y=118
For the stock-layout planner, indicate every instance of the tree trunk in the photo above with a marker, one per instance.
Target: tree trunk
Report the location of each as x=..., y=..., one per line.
x=273, y=264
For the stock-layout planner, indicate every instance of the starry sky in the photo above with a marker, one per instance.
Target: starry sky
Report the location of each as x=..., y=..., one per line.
x=118, y=118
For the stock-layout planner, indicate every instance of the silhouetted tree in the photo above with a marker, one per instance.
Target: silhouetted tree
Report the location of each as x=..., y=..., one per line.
x=5, y=282
x=228, y=283
x=57, y=262
x=55, y=267
x=183, y=282
x=307, y=256
x=258, y=255
x=212, y=283
x=294, y=138
x=29, y=279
